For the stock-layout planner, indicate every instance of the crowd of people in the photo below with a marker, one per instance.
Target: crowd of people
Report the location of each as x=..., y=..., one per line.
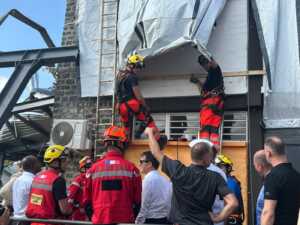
x=110, y=190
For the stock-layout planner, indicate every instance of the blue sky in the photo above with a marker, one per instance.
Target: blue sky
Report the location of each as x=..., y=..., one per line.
x=15, y=35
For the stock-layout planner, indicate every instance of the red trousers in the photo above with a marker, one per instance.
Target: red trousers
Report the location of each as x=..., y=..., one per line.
x=211, y=115
x=131, y=108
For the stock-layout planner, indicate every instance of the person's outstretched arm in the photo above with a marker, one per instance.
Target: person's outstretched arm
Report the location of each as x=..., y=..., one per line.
x=154, y=147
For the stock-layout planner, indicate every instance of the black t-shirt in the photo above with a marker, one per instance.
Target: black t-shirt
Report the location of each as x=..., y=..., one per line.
x=59, y=191
x=283, y=184
x=214, y=79
x=125, y=86
x=194, y=192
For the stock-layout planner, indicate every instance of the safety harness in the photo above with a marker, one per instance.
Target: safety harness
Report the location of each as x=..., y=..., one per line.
x=124, y=97
x=214, y=100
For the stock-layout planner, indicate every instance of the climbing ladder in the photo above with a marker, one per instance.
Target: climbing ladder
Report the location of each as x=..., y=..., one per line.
x=107, y=68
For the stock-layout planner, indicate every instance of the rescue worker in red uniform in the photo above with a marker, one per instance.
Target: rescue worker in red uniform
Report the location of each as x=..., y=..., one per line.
x=48, y=195
x=212, y=101
x=114, y=184
x=75, y=190
x=130, y=101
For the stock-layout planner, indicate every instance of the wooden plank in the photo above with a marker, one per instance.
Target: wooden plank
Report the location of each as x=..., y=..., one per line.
x=244, y=73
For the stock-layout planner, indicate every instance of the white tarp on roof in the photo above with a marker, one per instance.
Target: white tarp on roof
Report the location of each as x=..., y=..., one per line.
x=88, y=32
x=149, y=26
x=277, y=25
x=172, y=34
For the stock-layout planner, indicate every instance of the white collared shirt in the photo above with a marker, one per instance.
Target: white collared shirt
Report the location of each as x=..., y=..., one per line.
x=156, y=197
x=21, y=191
x=218, y=203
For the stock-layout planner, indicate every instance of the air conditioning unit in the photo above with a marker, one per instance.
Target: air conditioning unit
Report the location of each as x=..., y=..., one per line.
x=70, y=133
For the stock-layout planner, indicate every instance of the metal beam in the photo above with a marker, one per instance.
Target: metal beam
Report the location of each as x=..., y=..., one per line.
x=34, y=125
x=19, y=16
x=14, y=133
x=58, y=221
x=48, y=111
x=14, y=88
x=2, y=158
x=33, y=105
x=11, y=150
x=27, y=63
x=45, y=56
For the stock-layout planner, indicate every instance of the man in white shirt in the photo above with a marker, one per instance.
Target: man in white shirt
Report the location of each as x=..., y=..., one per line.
x=22, y=185
x=156, y=193
x=218, y=203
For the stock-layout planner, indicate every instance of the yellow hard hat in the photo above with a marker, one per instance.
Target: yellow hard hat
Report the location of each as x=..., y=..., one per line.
x=53, y=152
x=136, y=60
x=222, y=159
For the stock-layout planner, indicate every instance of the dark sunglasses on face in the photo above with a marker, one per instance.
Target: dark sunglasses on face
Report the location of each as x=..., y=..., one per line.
x=143, y=161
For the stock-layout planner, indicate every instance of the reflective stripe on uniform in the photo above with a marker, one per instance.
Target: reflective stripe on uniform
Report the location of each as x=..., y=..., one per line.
x=42, y=186
x=119, y=173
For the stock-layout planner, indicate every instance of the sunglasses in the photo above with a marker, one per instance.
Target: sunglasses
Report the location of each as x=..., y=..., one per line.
x=143, y=161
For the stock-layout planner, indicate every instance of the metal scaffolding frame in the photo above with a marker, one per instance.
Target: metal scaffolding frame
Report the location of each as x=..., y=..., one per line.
x=26, y=63
x=24, y=19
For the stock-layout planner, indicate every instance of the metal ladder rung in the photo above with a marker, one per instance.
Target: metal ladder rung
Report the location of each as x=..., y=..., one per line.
x=107, y=67
x=105, y=2
x=104, y=124
x=108, y=39
x=106, y=81
x=108, y=27
x=105, y=109
x=109, y=14
x=108, y=53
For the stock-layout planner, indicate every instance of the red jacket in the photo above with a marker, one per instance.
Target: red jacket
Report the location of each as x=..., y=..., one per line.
x=114, y=185
x=75, y=196
x=41, y=199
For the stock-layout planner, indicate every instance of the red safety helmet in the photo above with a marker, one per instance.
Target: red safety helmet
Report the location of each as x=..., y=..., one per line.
x=115, y=133
x=85, y=162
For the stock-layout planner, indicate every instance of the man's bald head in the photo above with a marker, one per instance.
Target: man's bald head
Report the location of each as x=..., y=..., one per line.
x=261, y=164
x=260, y=158
x=276, y=145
